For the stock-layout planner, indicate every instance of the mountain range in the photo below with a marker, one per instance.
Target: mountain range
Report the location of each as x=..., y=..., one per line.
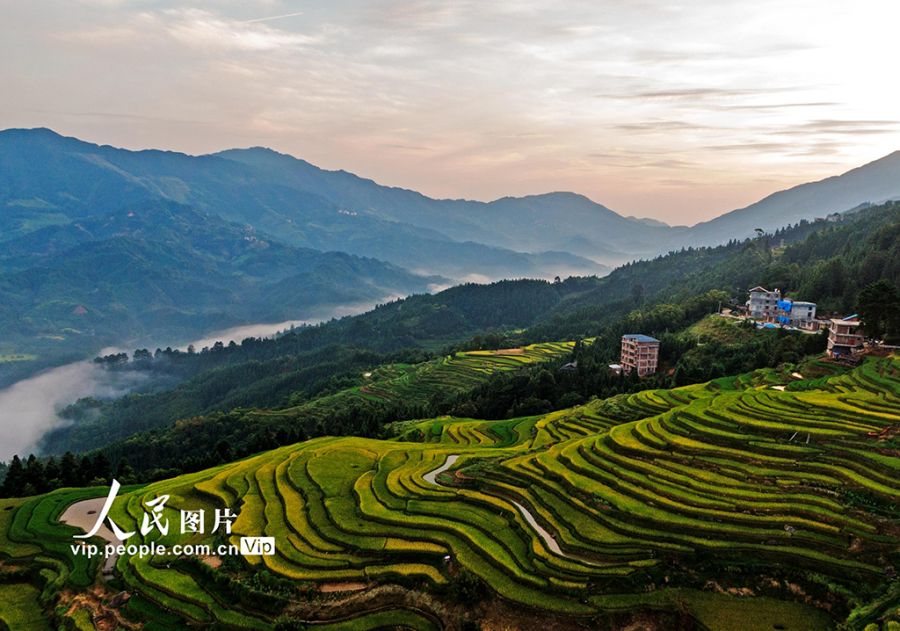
x=102, y=245
x=49, y=178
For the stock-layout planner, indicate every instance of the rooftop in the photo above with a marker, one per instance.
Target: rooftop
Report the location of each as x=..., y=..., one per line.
x=639, y=337
x=846, y=322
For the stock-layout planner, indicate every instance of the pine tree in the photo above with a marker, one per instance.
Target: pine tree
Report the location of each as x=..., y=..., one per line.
x=68, y=467
x=14, y=483
x=52, y=474
x=85, y=471
x=101, y=468
x=34, y=476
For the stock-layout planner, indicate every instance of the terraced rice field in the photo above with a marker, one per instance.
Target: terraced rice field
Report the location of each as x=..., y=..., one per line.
x=417, y=384
x=628, y=503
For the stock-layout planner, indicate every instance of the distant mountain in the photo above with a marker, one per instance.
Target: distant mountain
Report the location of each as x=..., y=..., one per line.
x=554, y=221
x=156, y=271
x=875, y=182
x=569, y=222
x=47, y=179
x=649, y=221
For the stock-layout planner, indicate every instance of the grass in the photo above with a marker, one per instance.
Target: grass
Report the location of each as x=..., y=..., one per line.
x=20, y=609
x=719, y=612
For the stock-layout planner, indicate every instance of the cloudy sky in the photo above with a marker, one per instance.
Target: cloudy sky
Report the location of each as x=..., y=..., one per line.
x=674, y=110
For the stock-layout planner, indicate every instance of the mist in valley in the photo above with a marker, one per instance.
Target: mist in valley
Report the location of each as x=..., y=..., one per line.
x=32, y=407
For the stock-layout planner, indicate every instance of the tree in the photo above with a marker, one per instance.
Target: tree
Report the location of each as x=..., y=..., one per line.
x=14, y=483
x=52, y=473
x=34, y=476
x=637, y=293
x=68, y=468
x=878, y=308
x=101, y=468
x=85, y=472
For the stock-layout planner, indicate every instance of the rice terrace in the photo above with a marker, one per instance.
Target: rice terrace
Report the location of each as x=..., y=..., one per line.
x=759, y=502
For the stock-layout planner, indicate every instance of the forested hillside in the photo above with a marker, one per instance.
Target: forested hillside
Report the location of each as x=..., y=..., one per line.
x=308, y=363
x=158, y=270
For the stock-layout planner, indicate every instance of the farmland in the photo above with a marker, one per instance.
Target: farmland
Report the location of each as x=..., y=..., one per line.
x=732, y=502
x=412, y=385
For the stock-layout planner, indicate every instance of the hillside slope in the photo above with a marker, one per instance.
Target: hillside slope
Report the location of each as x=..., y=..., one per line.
x=875, y=182
x=157, y=270
x=46, y=178
x=629, y=504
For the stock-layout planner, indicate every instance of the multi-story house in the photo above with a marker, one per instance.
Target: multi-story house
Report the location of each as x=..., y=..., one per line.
x=797, y=313
x=640, y=353
x=763, y=304
x=844, y=336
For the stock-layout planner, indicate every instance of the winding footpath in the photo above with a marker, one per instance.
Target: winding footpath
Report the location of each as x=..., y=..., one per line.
x=431, y=476
x=83, y=515
x=546, y=537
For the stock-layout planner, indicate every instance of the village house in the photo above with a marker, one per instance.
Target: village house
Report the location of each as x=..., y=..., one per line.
x=844, y=336
x=763, y=304
x=773, y=307
x=797, y=313
x=640, y=353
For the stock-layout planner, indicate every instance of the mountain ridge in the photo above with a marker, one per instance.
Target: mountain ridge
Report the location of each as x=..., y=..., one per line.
x=510, y=236
x=789, y=205
x=48, y=177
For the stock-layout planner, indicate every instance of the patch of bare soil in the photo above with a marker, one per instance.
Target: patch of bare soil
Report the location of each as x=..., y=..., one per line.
x=211, y=560
x=97, y=601
x=501, y=616
x=330, y=588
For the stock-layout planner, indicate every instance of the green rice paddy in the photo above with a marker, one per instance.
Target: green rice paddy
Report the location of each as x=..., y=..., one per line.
x=683, y=500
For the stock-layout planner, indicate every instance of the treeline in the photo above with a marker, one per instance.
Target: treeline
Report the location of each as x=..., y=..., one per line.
x=276, y=383
x=312, y=361
x=40, y=475
x=825, y=262
x=417, y=321
x=195, y=443
x=198, y=443
x=820, y=261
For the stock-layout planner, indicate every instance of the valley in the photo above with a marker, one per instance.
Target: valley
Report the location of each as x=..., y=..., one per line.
x=27, y=413
x=412, y=315
x=450, y=458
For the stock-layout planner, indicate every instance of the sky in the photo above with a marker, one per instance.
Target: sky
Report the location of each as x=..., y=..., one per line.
x=674, y=110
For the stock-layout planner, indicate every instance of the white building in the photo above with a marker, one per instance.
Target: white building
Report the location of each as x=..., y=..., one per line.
x=763, y=304
x=797, y=313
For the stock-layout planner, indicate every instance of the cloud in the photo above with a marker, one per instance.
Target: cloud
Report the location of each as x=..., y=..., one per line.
x=846, y=127
x=748, y=147
x=30, y=408
x=763, y=107
x=198, y=28
x=272, y=18
x=656, y=126
x=470, y=99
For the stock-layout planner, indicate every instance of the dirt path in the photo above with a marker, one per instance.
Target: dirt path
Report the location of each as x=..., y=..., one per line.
x=83, y=515
x=349, y=586
x=431, y=476
x=545, y=536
